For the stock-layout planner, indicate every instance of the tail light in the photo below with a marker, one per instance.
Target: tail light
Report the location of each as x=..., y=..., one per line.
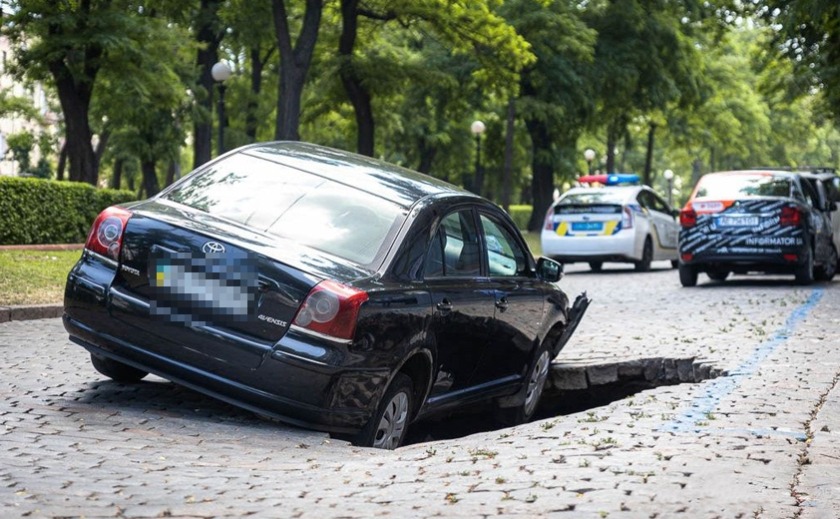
x=790, y=216
x=549, y=219
x=331, y=309
x=688, y=217
x=627, y=218
x=106, y=235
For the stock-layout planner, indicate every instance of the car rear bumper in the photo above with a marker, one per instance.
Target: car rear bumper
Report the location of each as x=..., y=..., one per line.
x=236, y=392
x=743, y=262
x=569, y=249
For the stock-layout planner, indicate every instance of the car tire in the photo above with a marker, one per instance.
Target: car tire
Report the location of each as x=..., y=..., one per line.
x=828, y=269
x=718, y=275
x=804, y=273
x=596, y=266
x=688, y=275
x=117, y=371
x=387, y=428
x=647, y=256
x=529, y=395
x=675, y=264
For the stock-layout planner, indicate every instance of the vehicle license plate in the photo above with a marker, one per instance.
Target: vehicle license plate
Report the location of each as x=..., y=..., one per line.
x=737, y=221
x=587, y=226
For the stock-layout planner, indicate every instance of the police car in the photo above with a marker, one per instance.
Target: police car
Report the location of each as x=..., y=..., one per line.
x=618, y=222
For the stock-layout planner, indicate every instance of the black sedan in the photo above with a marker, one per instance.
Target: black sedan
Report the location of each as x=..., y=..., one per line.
x=322, y=288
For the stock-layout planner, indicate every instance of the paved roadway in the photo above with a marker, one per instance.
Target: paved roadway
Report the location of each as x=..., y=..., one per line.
x=757, y=443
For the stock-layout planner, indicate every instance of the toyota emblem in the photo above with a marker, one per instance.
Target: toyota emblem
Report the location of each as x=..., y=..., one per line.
x=213, y=247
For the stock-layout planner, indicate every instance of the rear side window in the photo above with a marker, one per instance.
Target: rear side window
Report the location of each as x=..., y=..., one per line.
x=730, y=187
x=292, y=204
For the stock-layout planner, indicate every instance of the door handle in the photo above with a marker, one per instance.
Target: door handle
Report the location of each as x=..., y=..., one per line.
x=502, y=304
x=444, y=306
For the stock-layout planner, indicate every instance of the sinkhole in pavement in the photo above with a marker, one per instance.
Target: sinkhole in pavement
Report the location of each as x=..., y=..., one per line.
x=574, y=387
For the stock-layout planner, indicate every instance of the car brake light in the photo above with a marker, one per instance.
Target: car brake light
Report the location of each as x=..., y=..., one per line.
x=331, y=309
x=792, y=258
x=790, y=216
x=106, y=234
x=627, y=218
x=549, y=219
x=688, y=217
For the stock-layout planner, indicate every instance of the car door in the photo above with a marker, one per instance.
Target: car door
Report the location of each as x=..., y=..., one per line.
x=463, y=299
x=519, y=303
x=820, y=222
x=662, y=219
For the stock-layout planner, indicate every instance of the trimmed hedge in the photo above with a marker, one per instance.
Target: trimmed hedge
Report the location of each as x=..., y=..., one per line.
x=35, y=211
x=521, y=214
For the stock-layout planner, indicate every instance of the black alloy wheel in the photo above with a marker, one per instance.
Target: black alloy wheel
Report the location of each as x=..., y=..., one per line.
x=387, y=428
x=115, y=370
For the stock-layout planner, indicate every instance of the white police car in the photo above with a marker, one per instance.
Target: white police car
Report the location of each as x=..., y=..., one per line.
x=615, y=223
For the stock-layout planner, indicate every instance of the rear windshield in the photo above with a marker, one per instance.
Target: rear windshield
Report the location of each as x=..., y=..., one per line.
x=292, y=204
x=601, y=196
x=730, y=187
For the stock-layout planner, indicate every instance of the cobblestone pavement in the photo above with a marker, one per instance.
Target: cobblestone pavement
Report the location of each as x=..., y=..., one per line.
x=759, y=442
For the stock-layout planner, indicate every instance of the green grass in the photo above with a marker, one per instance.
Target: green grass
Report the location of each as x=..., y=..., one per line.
x=29, y=277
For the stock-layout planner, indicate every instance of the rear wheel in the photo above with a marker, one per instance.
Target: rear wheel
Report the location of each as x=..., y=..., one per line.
x=805, y=273
x=596, y=266
x=718, y=275
x=530, y=393
x=688, y=275
x=675, y=264
x=647, y=256
x=388, y=426
x=826, y=271
x=116, y=370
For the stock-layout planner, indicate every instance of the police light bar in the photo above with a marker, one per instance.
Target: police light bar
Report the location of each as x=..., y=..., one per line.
x=613, y=179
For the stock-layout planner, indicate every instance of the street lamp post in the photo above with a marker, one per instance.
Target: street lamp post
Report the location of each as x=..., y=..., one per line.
x=221, y=72
x=477, y=128
x=589, y=155
x=669, y=177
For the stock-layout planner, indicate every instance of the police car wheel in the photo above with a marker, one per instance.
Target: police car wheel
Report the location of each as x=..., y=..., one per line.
x=596, y=266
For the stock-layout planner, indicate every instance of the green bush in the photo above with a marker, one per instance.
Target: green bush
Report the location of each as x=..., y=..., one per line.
x=36, y=211
x=521, y=214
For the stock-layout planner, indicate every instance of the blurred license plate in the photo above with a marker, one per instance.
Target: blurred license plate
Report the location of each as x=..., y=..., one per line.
x=587, y=226
x=737, y=221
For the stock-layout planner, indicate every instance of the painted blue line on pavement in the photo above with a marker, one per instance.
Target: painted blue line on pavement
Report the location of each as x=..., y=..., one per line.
x=702, y=406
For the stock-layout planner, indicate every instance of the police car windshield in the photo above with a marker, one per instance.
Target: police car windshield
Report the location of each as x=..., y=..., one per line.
x=600, y=196
x=730, y=187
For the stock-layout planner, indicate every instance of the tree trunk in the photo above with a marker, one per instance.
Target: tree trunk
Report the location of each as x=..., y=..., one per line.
x=116, y=178
x=507, y=171
x=356, y=91
x=427, y=156
x=646, y=178
x=62, y=162
x=150, y=181
x=251, y=121
x=542, y=168
x=173, y=172
x=74, y=97
x=209, y=35
x=612, y=139
x=294, y=65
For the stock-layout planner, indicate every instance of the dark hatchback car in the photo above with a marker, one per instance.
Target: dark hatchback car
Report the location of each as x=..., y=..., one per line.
x=764, y=221
x=322, y=288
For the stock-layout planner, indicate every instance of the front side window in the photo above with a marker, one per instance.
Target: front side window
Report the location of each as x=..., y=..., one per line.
x=292, y=204
x=505, y=256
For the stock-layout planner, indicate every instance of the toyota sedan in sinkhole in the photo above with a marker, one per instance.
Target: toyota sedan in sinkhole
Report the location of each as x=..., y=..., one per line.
x=322, y=288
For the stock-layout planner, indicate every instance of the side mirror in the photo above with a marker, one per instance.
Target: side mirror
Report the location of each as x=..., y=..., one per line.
x=549, y=270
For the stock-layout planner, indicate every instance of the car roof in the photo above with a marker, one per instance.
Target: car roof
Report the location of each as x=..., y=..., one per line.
x=627, y=191
x=394, y=183
x=766, y=171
